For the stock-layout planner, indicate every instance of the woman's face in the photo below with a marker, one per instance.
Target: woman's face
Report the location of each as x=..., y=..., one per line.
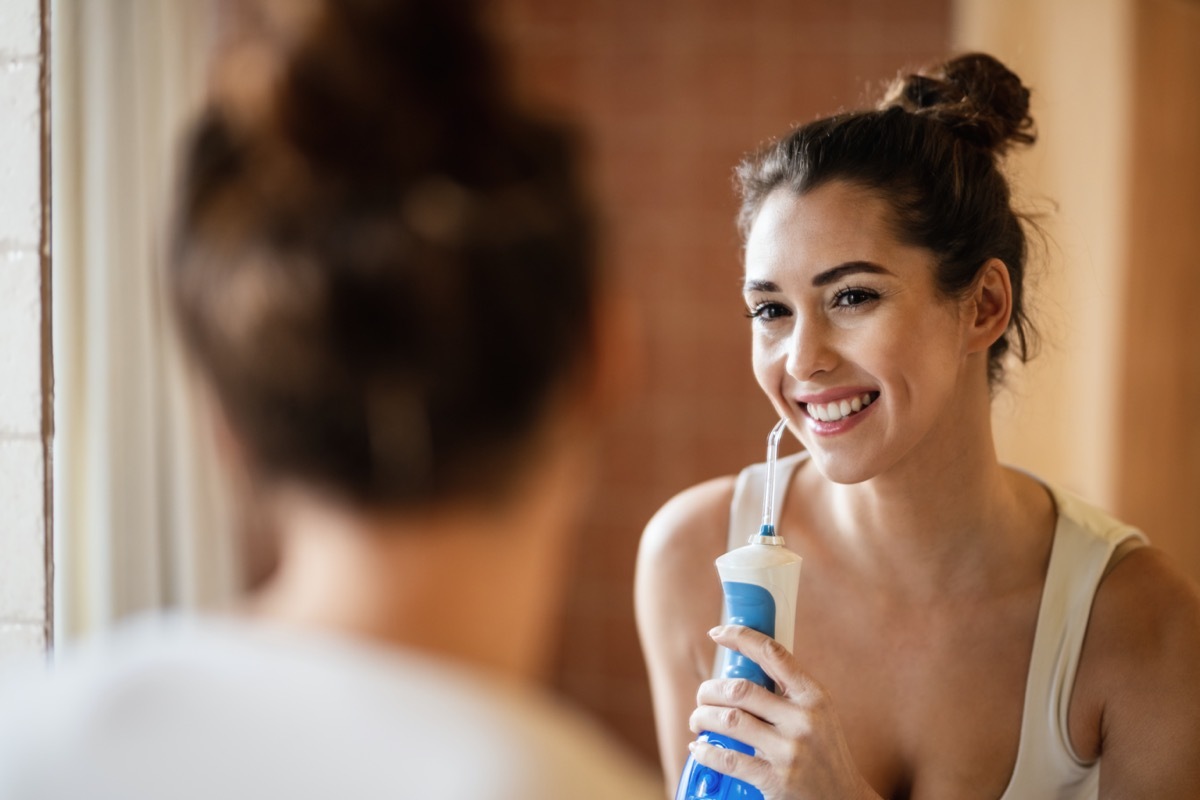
x=853, y=343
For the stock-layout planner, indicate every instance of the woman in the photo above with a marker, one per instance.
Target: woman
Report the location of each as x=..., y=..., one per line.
x=382, y=271
x=940, y=647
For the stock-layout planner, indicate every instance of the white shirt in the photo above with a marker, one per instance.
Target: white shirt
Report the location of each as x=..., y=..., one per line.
x=204, y=708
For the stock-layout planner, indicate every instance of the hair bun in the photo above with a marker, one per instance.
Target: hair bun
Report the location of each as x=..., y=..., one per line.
x=978, y=97
x=382, y=89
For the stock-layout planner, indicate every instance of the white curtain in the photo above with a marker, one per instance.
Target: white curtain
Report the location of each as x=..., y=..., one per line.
x=139, y=519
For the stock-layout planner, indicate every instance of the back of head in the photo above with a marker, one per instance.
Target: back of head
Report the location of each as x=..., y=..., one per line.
x=932, y=149
x=381, y=266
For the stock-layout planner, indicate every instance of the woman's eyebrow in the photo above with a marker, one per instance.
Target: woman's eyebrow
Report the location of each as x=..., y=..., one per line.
x=849, y=268
x=760, y=286
x=825, y=278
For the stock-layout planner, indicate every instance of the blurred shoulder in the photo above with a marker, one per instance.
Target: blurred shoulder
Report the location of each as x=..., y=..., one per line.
x=553, y=750
x=191, y=700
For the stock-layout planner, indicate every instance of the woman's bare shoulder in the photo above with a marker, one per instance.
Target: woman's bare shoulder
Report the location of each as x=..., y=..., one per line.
x=1139, y=670
x=677, y=598
x=694, y=517
x=1144, y=609
x=680, y=543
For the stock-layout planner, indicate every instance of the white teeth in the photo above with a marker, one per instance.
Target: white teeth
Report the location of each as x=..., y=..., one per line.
x=832, y=412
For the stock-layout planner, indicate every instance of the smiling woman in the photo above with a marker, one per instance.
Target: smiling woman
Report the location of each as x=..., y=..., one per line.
x=884, y=273
x=903, y=335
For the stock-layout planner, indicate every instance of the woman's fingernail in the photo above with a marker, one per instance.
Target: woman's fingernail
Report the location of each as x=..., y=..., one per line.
x=692, y=746
x=716, y=631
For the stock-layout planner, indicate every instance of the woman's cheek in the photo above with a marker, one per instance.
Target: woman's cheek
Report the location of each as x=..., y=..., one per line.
x=768, y=363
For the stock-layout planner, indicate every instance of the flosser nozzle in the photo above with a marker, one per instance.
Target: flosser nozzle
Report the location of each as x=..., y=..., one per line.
x=766, y=532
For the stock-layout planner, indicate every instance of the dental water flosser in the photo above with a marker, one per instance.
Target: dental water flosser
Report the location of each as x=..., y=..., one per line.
x=760, y=582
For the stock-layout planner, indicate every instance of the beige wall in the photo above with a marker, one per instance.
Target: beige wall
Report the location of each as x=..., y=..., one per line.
x=1057, y=415
x=1158, y=389
x=1108, y=409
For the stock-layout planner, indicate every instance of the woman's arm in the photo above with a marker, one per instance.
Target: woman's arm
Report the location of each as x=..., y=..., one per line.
x=1140, y=672
x=677, y=598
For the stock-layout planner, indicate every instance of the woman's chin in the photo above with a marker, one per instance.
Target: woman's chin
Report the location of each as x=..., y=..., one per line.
x=839, y=468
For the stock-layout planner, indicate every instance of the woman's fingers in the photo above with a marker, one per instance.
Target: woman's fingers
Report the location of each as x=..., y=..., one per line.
x=753, y=770
x=737, y=693
x=792, y=712
x=799, y=748
x=740, y=721
x=769, y=654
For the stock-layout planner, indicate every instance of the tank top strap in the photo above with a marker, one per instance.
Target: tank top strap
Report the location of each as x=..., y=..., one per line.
x=1085, y=540
x=745, y=511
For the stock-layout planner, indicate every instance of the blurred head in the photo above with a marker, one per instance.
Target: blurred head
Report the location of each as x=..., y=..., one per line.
x=381, y=267
x=930, y=151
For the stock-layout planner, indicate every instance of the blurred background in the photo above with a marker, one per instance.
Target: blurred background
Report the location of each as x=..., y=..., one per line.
x=108, y=503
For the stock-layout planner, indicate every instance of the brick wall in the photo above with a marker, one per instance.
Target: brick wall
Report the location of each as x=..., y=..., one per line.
x=670, y=94
x=23, y=333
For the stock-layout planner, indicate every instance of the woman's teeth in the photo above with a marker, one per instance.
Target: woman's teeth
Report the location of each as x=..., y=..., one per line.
x=832, y=412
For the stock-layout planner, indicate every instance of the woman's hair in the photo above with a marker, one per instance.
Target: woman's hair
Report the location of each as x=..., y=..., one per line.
x=383, y=268
x=931, y=149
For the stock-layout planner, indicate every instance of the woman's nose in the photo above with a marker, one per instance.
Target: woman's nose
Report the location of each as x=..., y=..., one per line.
x=811, y=350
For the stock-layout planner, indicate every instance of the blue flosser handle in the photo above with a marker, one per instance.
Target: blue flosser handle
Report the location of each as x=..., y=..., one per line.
x=753, y=606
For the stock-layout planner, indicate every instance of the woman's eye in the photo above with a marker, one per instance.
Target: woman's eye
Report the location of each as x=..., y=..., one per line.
x=851, y=297
x=767, y=311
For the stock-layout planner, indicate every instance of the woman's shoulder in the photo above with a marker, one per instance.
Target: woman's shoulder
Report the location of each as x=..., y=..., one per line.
x=677, y=598
x=703, y=504
x=1144, y=600
x=1138, y=667
x=677, y=550
x=689, y=530
x=1144, y=608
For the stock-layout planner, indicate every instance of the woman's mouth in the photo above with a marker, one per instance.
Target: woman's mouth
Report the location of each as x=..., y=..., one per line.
x=839, y=409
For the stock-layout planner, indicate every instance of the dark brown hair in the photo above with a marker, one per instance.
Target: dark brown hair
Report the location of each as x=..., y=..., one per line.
x=382, y=266
x=931, y=149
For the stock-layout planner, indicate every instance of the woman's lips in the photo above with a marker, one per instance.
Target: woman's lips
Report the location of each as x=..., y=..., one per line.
x=834, y=410
x=839, y=414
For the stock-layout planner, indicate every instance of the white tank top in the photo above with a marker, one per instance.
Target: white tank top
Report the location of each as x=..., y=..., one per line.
x=1084, y=541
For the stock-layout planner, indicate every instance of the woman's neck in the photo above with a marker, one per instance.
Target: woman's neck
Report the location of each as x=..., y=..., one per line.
x=479, y=585
x=949, y=519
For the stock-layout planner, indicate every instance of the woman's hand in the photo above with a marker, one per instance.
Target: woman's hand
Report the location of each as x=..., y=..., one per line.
x=800, y=752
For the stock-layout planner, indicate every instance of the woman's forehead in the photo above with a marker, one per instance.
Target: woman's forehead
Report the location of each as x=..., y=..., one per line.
x=834, y=223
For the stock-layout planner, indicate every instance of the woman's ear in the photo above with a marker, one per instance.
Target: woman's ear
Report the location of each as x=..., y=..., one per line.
x=989, y=306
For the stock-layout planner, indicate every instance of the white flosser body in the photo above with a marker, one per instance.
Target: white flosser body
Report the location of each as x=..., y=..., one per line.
x=760, y=582
x=765, y=563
